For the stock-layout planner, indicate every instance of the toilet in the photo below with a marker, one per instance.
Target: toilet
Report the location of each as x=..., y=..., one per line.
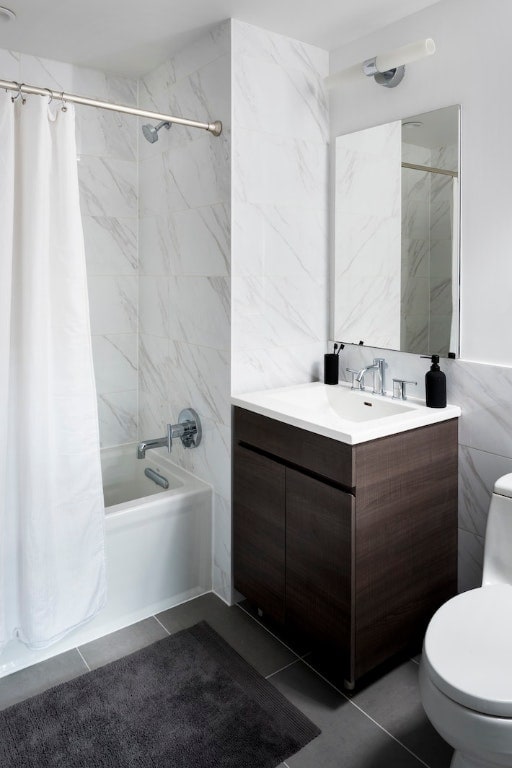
x=466, y=667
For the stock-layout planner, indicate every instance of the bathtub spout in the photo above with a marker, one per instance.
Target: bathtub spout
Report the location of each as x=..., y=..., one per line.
x=188, y=429
x=158, y=442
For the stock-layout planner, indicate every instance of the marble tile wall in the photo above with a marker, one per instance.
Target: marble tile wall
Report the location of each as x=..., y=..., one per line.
x=484, y=393
x=185, y=270
x=107, y=167
x=279, y=209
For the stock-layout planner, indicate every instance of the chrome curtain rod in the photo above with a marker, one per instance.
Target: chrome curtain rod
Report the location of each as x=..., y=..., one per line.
x=430, y=169
x=215, y=127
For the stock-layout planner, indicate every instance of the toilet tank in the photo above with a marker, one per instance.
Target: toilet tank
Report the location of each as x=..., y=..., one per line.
x=498, y=535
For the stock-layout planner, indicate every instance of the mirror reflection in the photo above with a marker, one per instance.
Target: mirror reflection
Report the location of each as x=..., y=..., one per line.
x=396, y=254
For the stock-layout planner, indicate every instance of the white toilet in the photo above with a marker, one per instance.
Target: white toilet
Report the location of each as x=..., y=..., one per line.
x=466, y=667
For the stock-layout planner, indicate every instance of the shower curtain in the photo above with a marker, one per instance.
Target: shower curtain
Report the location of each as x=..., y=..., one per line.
x=52, y=571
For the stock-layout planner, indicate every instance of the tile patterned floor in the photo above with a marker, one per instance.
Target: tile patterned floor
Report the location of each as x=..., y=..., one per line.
x=382, y=726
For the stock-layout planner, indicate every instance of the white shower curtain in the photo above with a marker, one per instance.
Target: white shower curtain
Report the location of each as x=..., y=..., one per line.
x=52, y=571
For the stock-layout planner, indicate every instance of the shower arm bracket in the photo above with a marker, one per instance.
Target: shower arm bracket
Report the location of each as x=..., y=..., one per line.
x=188, y=429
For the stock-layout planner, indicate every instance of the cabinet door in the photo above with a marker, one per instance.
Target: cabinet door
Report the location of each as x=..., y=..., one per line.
x=259, y=530
x=318, y=561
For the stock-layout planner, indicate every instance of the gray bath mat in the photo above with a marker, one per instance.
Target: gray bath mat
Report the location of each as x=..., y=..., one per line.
x=189, y=701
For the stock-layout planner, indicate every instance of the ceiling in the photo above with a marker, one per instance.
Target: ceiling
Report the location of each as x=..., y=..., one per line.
x=131, y=36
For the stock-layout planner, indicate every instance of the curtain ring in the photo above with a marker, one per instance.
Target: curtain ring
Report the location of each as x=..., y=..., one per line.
x=50, y=95
x=63, y=100
x=19, y=95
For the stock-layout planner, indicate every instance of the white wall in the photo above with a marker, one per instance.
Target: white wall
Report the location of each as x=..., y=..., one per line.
x=470, y=68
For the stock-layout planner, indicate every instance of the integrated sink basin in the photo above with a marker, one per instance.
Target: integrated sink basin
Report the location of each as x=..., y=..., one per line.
x=343, y=414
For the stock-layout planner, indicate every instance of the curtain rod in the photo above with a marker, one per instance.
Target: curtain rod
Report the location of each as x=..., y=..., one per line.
x=430, y=169
x=215, y=127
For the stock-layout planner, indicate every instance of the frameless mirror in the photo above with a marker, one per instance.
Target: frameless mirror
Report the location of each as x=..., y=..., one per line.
x=396, y=238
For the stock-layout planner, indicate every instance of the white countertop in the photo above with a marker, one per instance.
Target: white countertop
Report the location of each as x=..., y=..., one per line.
x=340, y=413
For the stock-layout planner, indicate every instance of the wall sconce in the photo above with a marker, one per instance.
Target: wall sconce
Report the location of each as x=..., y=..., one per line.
x=387, y=69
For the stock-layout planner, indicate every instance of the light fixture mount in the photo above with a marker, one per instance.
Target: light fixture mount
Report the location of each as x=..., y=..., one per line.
x=390, y=78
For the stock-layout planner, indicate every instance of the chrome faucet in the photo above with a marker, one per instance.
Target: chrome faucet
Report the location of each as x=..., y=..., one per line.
x=188, y=429
x=378, y=376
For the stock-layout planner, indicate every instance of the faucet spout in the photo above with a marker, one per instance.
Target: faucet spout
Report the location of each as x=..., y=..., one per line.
x=157, y=442
x=378, y=375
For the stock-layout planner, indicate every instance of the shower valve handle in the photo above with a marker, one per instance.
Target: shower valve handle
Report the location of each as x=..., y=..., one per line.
x=188, y=429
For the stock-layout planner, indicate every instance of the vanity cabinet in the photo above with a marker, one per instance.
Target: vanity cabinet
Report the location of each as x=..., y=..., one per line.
x=351, y=547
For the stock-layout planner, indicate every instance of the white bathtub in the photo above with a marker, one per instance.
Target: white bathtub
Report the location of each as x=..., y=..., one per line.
x=158, y=548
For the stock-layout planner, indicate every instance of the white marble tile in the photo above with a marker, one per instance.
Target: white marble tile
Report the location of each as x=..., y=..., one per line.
x=276, y=311
x=153, y=415
x=280, y=240
x=155, y=245
x=199, y=378
x=380, y=318
x=288, y=102
x=10, y=65
x=222, y=581
x=416, y=258
x=279, y=171
x=106, y=134
x=415, y=296
x=201, y=238
x=108, y=187
x=440, y=295
x=248, y=40
x=200, y=311
x=113, y=304
x=154, y=365
x=110, y=245
x=484, y=393
x=198, y=173
x=204, y=51
x=265, y=368
x=367, y=245
x=211, y=460
x=115, y=362
x=47, y=73
x=471, y=558
x=117, y=414
x=478, y=471
x=123, y=90
x=154, y=305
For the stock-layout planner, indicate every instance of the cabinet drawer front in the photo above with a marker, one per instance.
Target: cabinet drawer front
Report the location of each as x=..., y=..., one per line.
x=259, y=531
x=321, y=455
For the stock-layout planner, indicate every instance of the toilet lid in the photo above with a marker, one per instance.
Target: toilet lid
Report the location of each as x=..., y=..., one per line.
x=468, y=649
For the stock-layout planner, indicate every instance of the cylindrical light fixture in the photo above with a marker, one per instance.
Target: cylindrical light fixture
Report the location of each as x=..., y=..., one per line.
x=405, y=55
x=388, y=68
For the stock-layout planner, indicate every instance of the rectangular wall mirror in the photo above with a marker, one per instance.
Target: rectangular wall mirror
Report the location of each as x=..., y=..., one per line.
x=396, y=240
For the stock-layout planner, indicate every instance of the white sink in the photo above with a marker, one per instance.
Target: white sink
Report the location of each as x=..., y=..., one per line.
x=343, y=414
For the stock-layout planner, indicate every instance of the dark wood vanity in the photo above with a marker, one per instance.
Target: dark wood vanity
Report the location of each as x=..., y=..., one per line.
x=352, y=547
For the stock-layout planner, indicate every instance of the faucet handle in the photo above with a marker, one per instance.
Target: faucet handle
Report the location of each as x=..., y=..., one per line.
x=359, y=385
x=399, y=390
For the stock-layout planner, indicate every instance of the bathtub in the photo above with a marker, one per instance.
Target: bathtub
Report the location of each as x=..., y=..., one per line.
x=158, y=548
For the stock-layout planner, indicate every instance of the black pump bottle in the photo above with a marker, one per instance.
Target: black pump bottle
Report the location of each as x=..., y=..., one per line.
x=435, y=385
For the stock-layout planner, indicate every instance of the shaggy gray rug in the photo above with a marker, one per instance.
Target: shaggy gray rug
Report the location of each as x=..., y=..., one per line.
x=189, y=701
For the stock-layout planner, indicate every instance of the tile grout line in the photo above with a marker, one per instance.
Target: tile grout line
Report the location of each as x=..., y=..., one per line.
x=302, y=658
x=83, y=659
x=290, y=664
x=268, y=630
x=158, y=620
x=366, y=714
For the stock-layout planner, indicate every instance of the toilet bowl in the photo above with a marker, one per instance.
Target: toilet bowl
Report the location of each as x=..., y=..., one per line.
x=466, y=667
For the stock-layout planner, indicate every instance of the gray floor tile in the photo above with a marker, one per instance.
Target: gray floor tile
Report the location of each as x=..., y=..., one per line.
x=249, y=639
x=297, y=644
x=348, y=737
x=38, y=678
x=121, y=643
x=394, y=701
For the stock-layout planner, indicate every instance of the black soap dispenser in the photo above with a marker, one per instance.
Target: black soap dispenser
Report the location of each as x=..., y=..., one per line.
x=435, y=385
